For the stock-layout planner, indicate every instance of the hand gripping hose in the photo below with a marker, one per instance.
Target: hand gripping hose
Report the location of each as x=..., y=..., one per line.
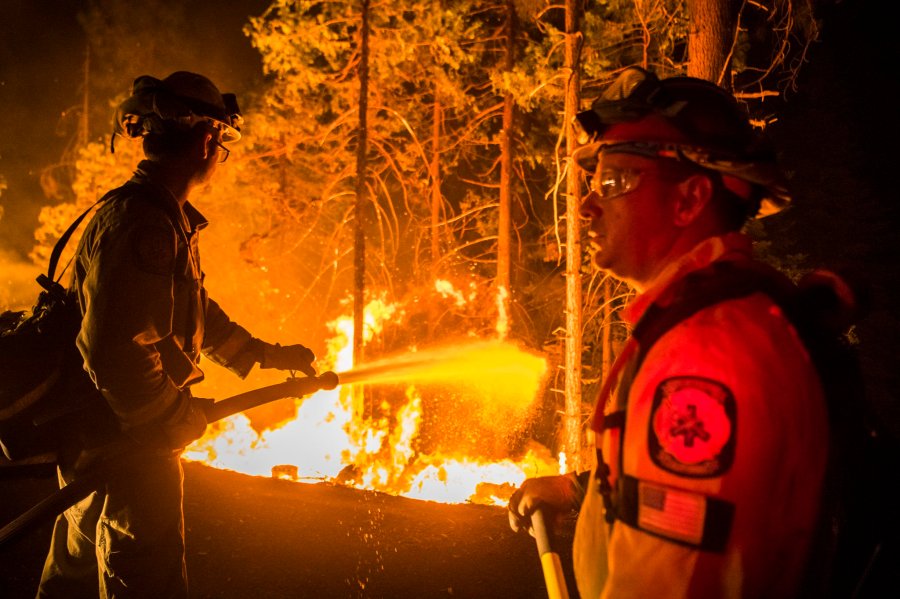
x=97, y=475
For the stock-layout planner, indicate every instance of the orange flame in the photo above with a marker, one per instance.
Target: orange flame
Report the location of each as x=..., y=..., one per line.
x=493, y=384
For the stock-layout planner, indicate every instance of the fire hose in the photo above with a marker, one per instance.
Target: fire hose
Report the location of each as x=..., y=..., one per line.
x=94, y=478
x=550, y=564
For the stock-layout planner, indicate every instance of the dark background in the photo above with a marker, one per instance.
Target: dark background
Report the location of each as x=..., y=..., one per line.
x=838, y=135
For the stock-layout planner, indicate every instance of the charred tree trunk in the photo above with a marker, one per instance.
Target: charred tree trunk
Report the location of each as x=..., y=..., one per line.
x=504, y=226
x=710, y=39
x=359, y=239
x=573, y=247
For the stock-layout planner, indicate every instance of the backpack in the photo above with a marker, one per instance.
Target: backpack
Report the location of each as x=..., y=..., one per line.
x=851, y=531
x=47, y=400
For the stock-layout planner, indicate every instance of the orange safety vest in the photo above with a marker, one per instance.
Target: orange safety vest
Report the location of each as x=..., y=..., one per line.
x=713, y=446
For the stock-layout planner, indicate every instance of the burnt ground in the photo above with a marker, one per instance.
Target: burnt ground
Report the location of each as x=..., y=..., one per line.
x=251, y=537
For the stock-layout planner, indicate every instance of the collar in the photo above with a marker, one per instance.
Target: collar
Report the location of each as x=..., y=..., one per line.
x=190, y=219
x=731, y=246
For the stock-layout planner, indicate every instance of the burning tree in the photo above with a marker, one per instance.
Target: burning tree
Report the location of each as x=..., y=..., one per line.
x=443, y=148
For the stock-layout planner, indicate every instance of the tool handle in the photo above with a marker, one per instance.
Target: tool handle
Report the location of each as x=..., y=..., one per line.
x=550, y=564
x=541, y=534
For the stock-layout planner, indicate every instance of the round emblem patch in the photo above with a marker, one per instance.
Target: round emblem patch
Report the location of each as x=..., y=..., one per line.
x=692, y=427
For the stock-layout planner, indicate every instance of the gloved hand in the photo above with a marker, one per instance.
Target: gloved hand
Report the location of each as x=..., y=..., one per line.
x=288, y=357
x=189, y=425
x=184, y=424
x=555, y=494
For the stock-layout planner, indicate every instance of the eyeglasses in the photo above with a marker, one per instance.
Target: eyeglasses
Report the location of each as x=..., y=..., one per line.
x=223, y=155
x=613, y=182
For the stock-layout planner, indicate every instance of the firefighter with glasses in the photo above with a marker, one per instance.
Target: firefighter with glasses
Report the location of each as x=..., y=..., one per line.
x=711, y=430
x=147, y=319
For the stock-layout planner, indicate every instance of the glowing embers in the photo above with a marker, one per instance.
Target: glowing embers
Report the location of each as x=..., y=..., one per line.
x=447, y=290
x=434, y=424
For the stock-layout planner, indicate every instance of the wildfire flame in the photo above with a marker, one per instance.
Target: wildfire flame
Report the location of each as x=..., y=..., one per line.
x=493, y=386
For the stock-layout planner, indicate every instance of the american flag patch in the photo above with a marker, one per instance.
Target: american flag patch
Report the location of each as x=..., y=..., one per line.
x=670, y=513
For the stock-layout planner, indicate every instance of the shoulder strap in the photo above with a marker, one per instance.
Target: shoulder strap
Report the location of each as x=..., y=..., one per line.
x=719, y=282
x=47, y=281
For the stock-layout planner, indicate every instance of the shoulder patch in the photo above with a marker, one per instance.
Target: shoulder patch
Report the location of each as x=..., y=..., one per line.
x=692, y=427
x=154, y=249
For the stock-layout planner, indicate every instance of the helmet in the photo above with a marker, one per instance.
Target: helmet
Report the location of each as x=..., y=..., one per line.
x=182, y=97
x=705, y=124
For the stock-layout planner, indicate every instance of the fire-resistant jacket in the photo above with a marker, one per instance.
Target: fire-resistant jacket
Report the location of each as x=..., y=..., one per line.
x=146, y=314
x=718, y=467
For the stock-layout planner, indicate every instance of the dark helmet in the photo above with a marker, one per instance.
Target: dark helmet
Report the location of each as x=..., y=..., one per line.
x=182, y=97
x=713, y=131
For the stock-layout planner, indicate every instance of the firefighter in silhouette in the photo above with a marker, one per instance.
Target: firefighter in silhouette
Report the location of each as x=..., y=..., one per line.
x=146, y=320
x=711, y=448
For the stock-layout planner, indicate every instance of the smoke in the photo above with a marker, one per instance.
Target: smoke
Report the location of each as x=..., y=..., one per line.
x=18, y=288
x=17, y=276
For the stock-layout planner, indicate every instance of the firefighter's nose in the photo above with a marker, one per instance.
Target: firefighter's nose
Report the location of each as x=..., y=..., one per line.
x=590, y=206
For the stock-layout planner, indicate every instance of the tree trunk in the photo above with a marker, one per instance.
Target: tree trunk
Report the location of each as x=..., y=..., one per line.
x=710, y=39
x=359, y=239
x=572, y=444
x=504, y=228
x=84, y=129
x=606, y=321
x=435, y=172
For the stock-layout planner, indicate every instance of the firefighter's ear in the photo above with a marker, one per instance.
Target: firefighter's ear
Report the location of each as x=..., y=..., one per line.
x=208, y=146
x=694, y=194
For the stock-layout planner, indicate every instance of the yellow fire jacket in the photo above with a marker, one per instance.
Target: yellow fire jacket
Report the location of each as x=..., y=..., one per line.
x=719, y=463
x=146, y=314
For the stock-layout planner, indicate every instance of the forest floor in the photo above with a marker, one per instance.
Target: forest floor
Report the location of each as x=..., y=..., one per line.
x=254, y=537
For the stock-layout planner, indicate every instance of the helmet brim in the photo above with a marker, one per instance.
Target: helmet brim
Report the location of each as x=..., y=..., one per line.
x=763, y=175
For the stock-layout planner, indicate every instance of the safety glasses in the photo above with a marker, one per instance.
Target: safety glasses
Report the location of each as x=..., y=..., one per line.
x=613, y=182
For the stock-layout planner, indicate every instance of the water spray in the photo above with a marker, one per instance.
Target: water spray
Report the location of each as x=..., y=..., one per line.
x=455, y=363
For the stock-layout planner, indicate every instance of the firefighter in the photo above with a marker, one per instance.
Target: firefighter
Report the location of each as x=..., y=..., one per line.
x=711, y=452
x=146, y=320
